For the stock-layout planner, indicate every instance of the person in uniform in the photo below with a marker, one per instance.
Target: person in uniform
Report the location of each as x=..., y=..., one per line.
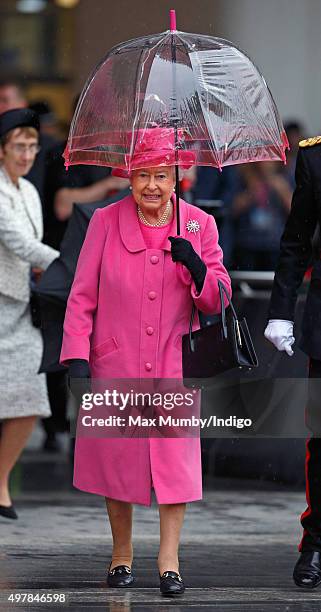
x=296, y=255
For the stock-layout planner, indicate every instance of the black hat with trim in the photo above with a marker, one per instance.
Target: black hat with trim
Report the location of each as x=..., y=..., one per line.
x=18, y=117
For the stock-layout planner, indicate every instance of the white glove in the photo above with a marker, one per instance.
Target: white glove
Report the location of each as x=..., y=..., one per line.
x=280, y=333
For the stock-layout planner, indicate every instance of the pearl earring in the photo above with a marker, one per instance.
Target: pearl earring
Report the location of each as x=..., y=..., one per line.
x=130, y=187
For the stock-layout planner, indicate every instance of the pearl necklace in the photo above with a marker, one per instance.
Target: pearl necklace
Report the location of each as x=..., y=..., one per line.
x=161, y=221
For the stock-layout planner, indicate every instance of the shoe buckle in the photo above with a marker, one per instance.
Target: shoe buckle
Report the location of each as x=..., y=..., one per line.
x=168, y=575
x=113, y=571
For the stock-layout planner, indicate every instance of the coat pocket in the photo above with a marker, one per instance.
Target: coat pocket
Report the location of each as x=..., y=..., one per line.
x=106, y=347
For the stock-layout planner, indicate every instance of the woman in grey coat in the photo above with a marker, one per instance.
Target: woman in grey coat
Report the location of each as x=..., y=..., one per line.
x=23, y=392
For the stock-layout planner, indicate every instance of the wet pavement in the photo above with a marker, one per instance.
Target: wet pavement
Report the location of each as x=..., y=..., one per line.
x=239, y=546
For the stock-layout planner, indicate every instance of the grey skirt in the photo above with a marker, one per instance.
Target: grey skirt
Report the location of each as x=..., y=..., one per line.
x=23, y=392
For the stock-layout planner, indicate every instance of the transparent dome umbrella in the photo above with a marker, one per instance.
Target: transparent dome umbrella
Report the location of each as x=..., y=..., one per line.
x=208, y=95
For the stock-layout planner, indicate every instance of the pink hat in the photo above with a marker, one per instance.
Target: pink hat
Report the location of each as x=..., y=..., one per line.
x=156, y=147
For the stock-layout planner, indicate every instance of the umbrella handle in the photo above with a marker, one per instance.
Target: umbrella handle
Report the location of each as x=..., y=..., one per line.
x=172, y=20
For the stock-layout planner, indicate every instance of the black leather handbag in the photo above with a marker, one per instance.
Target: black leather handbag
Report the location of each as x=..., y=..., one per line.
x=217, y=348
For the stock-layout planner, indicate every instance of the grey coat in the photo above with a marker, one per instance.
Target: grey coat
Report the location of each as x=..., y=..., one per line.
x=23, y=391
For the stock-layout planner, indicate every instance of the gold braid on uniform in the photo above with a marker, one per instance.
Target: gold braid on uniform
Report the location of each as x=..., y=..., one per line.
x=310, y=142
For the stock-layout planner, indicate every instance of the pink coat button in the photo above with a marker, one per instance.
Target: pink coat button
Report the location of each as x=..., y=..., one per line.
x=152, y=295
x=149, y=331
x=154, y=259
x=148, y=366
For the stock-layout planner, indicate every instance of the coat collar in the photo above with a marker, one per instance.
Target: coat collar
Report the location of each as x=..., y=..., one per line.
x=7, y=186
x=129, y=224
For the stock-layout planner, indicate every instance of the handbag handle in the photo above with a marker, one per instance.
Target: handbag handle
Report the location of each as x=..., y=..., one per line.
x=222, y=290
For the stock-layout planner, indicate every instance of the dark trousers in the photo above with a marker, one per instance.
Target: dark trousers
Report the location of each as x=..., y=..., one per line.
x=57, y=393
x=311, y=518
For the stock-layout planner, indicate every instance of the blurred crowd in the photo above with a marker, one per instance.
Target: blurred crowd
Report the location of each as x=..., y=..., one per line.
x=250, y=203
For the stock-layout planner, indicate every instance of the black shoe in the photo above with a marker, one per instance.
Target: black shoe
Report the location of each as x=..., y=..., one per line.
x=171, y=584
x=120, y=576
x=8, y=512
x=307, y=572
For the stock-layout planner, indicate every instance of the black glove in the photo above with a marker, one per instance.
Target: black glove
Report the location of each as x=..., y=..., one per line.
x=183, y=251
x=79, y=378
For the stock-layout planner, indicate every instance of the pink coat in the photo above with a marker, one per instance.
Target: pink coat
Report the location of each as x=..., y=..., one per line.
x=127, y=311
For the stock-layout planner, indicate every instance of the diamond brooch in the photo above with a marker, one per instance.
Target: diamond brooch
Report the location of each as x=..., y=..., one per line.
x=193, y=226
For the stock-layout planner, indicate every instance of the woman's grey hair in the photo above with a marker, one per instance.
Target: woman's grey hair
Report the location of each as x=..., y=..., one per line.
x=180, y=172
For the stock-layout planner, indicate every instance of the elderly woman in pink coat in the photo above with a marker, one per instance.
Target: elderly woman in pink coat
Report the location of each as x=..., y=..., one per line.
x=129, y=306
